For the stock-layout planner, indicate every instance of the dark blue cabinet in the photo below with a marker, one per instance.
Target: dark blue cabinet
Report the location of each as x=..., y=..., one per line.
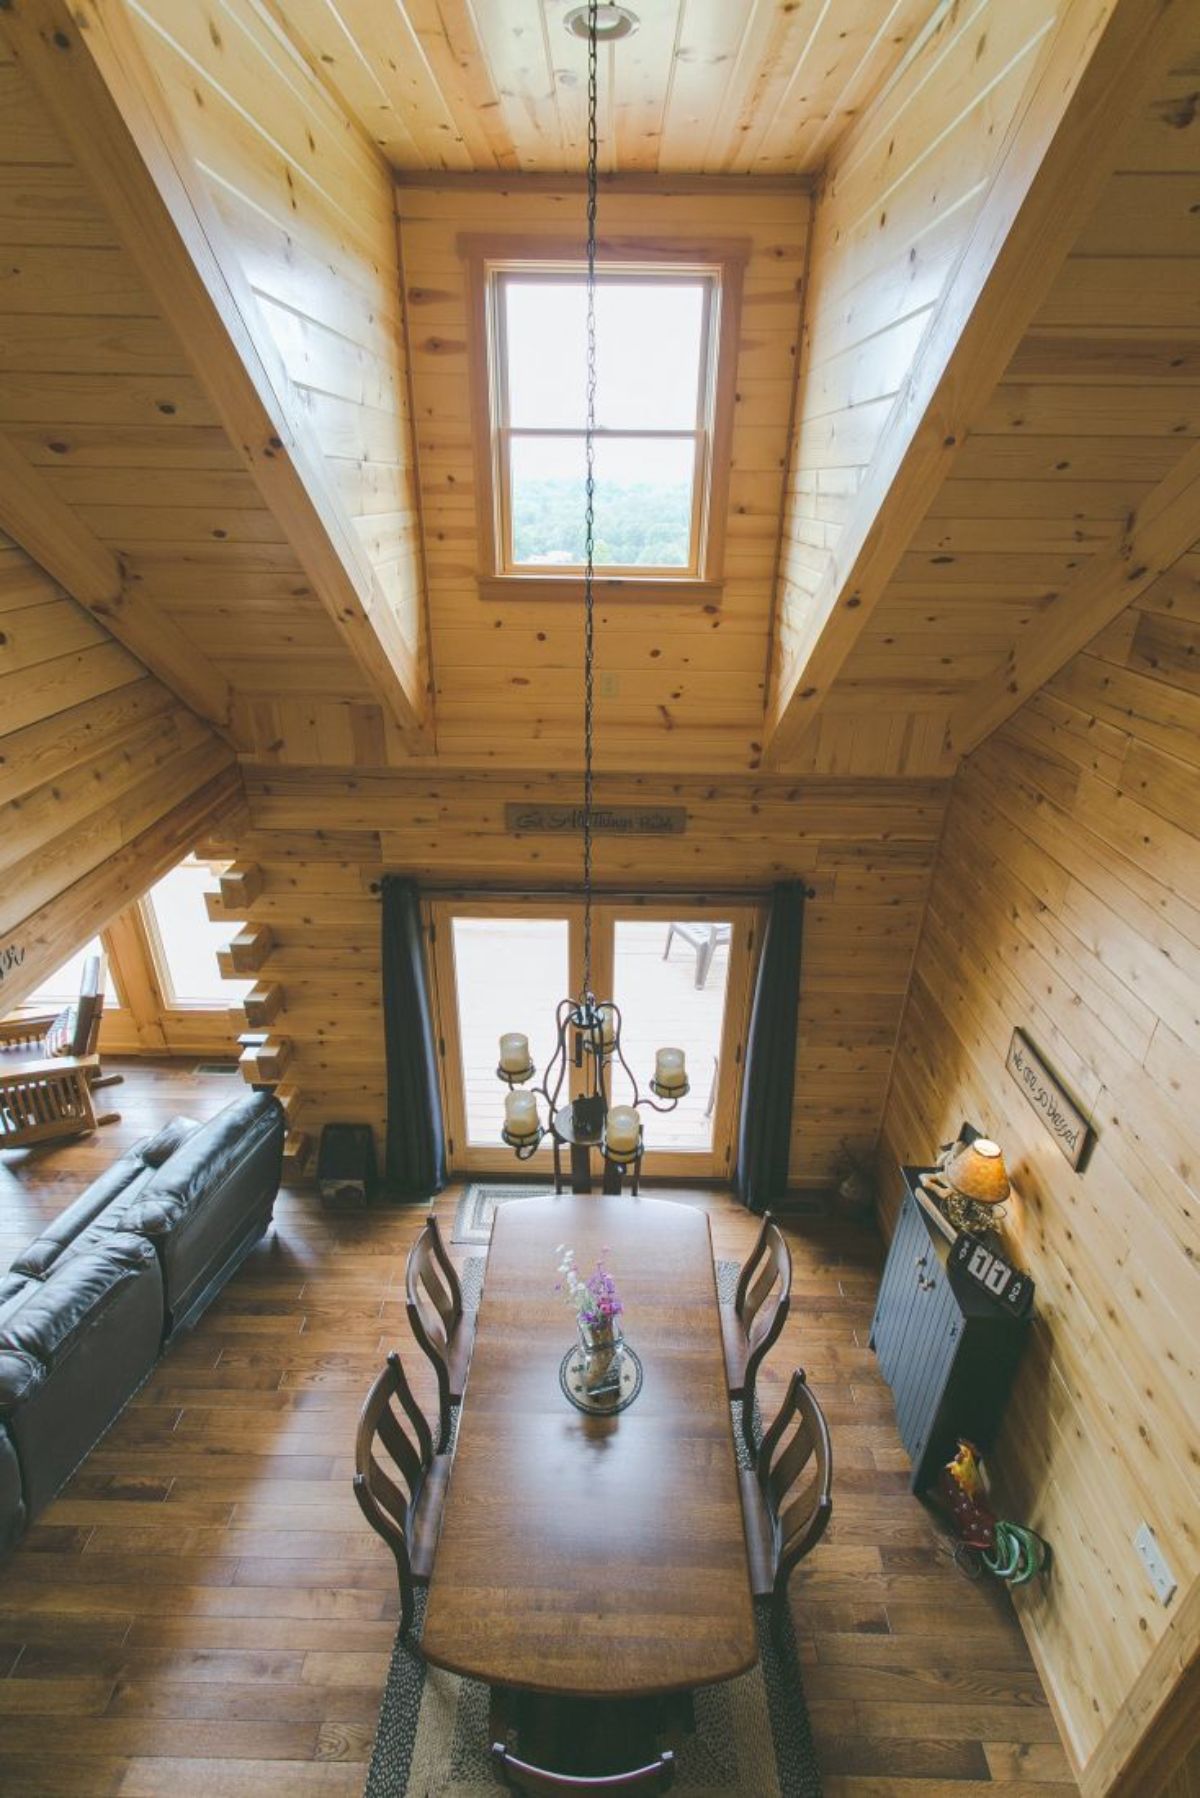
x=945, y=1348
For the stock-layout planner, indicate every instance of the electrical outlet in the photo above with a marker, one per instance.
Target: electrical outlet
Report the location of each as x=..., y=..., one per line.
x=610, y=686
x=1155, y=1563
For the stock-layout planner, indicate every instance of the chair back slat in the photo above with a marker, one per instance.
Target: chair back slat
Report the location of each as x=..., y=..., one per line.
x=748, y=1266
x=798, y=1519
x=539, y=1782
x=790, y=1462
x=404, y=1454
x=390, y=1498
x=380, y=1428
x=431, y=1282
x=435, y=1312
x=770, y=1283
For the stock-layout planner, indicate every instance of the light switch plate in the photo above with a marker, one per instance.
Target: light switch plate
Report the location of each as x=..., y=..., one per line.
x=1155, y=1563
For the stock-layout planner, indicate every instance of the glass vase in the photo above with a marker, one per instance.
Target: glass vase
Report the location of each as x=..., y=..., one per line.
x=603, y=1349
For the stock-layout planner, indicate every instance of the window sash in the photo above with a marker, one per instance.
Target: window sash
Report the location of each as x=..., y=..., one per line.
x=503, y=432
x=700, y=462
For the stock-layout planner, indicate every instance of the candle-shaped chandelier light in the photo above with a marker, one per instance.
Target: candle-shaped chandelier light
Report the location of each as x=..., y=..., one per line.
x=588, y=1030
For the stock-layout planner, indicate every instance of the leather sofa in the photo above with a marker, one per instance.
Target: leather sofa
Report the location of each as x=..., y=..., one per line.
x=87, y=1308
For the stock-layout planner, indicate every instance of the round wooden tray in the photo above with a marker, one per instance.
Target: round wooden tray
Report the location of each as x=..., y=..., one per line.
x=604, y=1404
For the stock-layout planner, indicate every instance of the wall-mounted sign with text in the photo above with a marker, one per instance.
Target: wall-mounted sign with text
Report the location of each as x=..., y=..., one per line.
x=1061, y=1116
x=607, y=820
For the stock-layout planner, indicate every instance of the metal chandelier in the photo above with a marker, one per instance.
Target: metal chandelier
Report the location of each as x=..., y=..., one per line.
x=587, y=1030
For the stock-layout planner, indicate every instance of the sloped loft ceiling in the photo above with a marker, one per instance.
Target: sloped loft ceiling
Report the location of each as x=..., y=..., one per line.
x=155, y=444
x=225, y=561
x=948, y=549
x=732, y=87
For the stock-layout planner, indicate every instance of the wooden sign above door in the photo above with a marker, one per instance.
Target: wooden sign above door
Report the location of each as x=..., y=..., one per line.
x=607, y=820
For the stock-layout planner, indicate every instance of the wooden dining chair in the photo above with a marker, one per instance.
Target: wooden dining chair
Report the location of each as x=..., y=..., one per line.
x=783, y=1524
x=538, y=1782
x=399, y=1481
x=444, y=1331
x=752, y=1324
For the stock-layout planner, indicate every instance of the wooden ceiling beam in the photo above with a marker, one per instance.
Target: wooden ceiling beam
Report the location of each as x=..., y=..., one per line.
x=1164, y=527
x=57, y=538
x=89, y=69
x=1097, y=74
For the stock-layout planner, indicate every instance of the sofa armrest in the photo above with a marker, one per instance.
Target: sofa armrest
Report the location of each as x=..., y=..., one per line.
x=20, y=1376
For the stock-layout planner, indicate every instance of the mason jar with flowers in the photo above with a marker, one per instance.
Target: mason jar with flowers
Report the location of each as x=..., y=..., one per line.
x=598, y=1310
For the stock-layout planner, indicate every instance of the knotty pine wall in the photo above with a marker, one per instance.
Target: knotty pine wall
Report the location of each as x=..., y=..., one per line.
x=308, y=203
x=691, y=673
x=321, y=838
x=105, y=777
x=897, y=202
x=1066, y=901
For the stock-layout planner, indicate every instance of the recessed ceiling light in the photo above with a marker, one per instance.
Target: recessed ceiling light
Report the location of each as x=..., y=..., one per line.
x=612, y=22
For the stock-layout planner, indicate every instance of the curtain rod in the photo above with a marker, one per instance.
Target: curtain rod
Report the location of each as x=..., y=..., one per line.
x=605, y=895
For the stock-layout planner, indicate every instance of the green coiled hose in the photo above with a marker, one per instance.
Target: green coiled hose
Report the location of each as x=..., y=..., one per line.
x=1019, y=1554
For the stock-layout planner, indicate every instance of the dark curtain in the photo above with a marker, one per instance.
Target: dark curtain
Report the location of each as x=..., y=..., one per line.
x=416, y=1153
x=764, y=1137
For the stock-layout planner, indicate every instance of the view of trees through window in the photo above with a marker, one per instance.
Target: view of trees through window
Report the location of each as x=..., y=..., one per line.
x=638, y=524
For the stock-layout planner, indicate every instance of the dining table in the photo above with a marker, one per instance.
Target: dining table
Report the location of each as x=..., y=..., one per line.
x=583, y=1555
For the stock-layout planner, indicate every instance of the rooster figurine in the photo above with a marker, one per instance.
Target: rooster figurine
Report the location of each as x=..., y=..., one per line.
x=960, y=1488
x=1009, y=1550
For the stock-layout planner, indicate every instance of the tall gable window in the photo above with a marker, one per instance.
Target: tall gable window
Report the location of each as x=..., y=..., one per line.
x=665, y=348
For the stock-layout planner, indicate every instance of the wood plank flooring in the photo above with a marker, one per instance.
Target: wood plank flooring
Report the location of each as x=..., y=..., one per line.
x=202, y=1611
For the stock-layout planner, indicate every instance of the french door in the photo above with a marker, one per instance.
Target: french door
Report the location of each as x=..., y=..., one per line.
x=680, y=973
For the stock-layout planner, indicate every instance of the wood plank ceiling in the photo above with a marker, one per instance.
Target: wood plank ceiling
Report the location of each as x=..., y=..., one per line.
x=739, y=87
x=1098, y=411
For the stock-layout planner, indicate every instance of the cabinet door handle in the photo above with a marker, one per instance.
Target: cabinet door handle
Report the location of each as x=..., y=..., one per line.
x=920, y=1260
x=925, y=1285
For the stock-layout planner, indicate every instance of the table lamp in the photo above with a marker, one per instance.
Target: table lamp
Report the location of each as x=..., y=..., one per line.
x=978, y=1183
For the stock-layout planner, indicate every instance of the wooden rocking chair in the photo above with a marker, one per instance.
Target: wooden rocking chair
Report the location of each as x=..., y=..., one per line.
x=49, y=1069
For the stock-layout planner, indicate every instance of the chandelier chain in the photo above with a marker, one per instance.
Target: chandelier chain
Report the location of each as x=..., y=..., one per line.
x=589, y=570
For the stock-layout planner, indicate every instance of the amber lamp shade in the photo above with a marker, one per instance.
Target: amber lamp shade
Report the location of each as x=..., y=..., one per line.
x=978, y=1172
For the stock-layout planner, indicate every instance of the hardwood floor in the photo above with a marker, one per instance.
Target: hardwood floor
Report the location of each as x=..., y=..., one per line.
x=203, y=1611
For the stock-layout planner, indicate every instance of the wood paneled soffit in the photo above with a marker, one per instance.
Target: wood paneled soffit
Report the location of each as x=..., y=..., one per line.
x=49, y=531
x=1096, y=75
x=1161, y=530
x=90, y=72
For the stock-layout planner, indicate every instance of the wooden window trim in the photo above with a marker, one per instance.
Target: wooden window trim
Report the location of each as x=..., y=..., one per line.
x=724, y=259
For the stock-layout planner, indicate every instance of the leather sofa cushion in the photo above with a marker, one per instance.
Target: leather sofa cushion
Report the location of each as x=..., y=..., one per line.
x=123, y=1180
x=156, y=1149
x=203, y=1163
x=68, y=1301
x=13, y=1290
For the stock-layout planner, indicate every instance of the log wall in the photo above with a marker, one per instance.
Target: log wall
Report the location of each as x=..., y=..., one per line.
x=320, y=838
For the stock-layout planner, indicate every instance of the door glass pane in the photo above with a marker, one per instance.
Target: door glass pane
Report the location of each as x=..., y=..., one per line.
x=189, y=939
x=669, y=980
x=509, y=974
